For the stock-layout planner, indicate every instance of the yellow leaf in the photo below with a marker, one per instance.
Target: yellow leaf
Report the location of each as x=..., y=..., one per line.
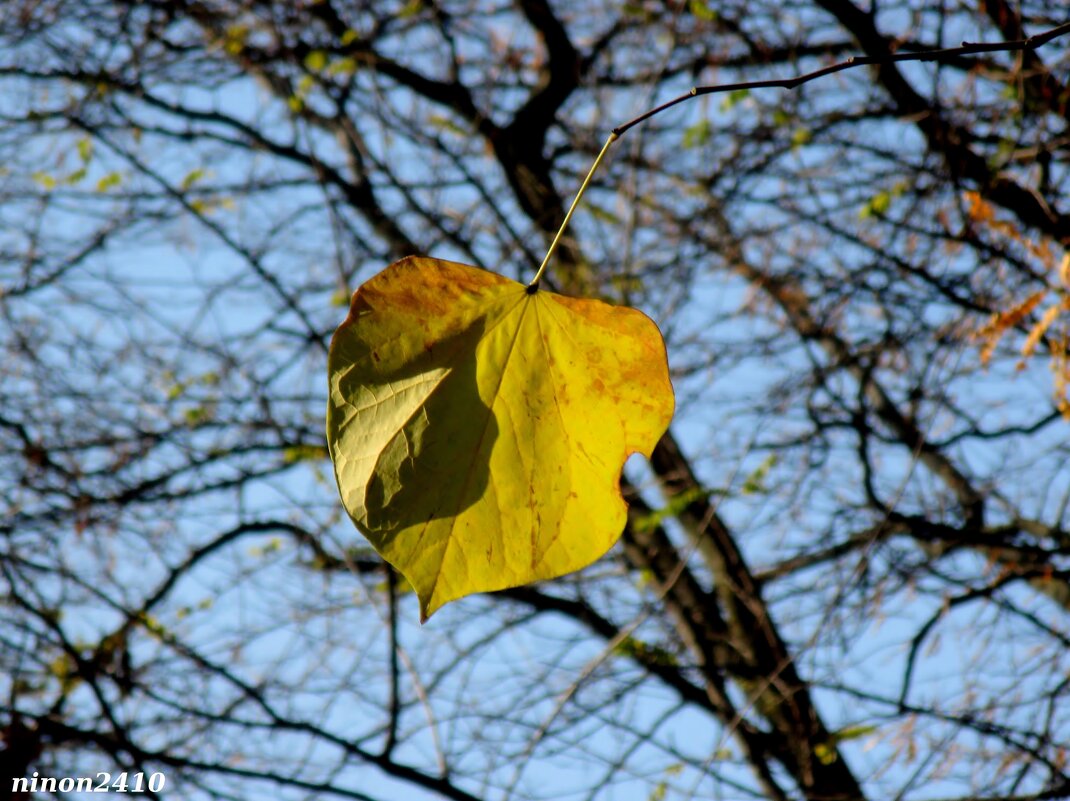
x=825, y=753
x=642, y=652
x=478, y=431
x=44, y=179
x=64, y=668
x=108, y=181
x=192, y=177
x=852, y=733
x=234, y=39
x=702, y=10
x=316, y=60
x=676, y=504
x=303, y=453
x=342, y=66
x=800, y=137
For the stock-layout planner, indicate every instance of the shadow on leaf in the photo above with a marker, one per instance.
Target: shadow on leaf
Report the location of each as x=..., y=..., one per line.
x=436, y=464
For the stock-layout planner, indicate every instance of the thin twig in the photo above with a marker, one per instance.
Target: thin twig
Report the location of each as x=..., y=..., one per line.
x=1031, y=43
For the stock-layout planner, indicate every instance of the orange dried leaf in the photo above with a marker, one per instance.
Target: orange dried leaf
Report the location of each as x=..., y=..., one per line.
x=992, y=331
x=1041, y=327
x=978, y=208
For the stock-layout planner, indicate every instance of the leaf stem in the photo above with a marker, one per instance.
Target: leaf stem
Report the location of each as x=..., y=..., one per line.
x=533, y=287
